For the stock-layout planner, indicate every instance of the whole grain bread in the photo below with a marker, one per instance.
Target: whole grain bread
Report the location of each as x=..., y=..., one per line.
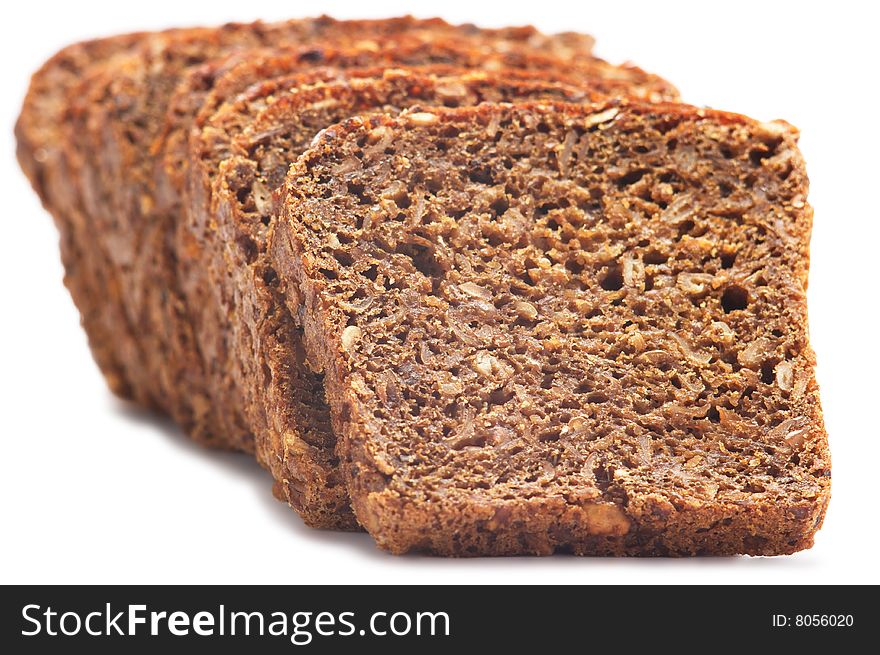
x=253, y=141
x=554, y=327
x=118, y=116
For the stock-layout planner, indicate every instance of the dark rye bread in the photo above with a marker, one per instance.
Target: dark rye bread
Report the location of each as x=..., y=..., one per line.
x=282, y=398
x=209, y=146
x=123, y=108
x=563, y=328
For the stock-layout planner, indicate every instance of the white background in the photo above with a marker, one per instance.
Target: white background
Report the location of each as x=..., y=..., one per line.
x=92, y=490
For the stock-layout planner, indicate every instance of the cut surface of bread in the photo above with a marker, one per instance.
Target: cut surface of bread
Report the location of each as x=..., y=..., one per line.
x=284, y=399
x=552, y=327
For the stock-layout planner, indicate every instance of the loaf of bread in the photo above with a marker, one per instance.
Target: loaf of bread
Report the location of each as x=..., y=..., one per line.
x=478, y=292
x=563, y=328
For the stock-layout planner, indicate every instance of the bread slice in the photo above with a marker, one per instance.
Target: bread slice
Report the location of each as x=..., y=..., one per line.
x=283, y=399
x=553, y=327
x=119, y=114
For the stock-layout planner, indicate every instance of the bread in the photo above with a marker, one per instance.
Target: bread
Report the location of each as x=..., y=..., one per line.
x=118, y=117
x=511, y=329
x=290, y=422
x=553, y=327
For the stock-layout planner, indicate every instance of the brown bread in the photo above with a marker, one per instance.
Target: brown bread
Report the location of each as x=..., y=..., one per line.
x=556, y=327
